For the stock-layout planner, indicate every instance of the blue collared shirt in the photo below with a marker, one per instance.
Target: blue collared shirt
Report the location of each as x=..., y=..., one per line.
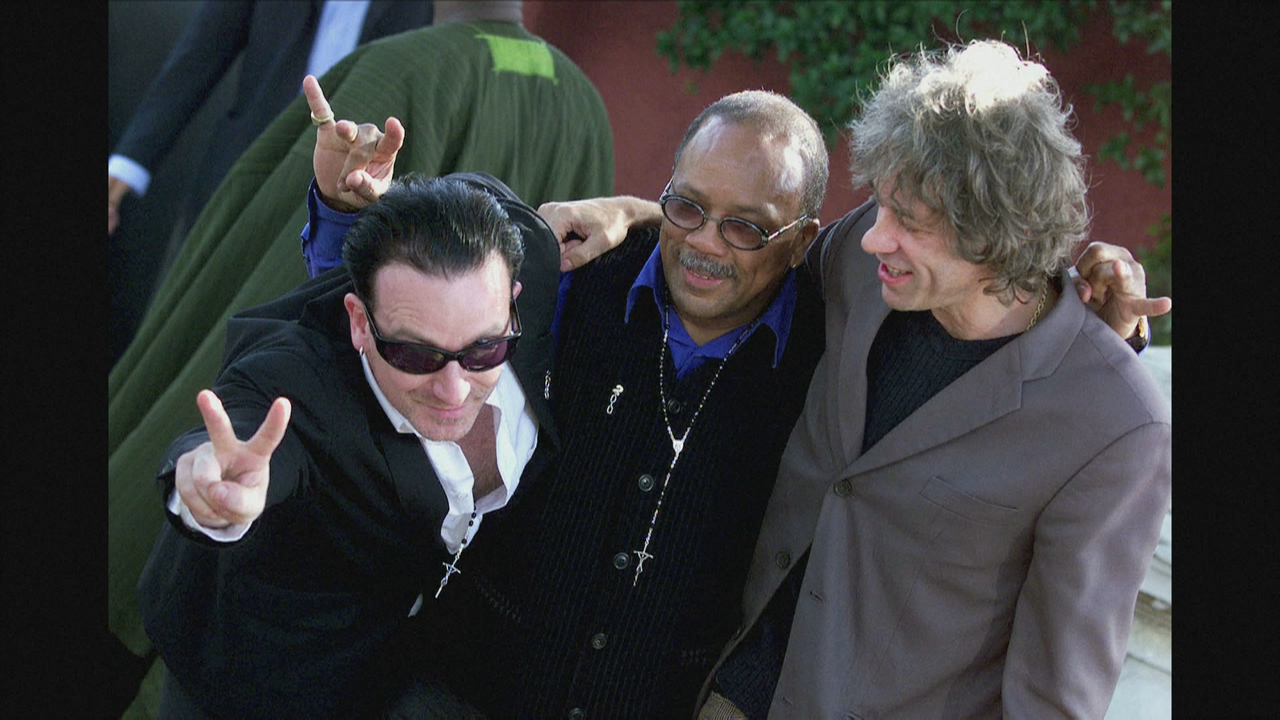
x=323, y=234
x=685, y=353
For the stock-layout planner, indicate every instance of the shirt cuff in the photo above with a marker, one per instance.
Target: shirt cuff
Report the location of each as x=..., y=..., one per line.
x=133, y=174
x=1141, y=336
x=230, y=533
x=324, y=233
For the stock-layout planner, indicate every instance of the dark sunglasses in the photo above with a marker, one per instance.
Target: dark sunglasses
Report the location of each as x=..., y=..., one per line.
x=417, y=359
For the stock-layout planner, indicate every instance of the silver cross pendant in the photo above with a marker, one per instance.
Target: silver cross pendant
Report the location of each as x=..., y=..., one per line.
x=449, y=569
x=640, y=565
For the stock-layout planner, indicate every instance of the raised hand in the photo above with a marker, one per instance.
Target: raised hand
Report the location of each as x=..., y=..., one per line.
x=1114, y=285
x=224, y=480
x=587, y=229
x=354, y=164
x=116, y=190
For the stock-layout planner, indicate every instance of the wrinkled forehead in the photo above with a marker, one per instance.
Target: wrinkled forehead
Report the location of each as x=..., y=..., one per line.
x=908, y=200
x=755, y=165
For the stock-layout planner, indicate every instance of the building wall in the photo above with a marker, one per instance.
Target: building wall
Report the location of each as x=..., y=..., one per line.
x=614, y=42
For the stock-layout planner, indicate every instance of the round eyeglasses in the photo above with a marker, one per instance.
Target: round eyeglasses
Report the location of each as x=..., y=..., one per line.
x=741, y=234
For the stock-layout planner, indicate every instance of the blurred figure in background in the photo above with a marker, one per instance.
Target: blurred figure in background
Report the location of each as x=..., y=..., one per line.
x=276, y=44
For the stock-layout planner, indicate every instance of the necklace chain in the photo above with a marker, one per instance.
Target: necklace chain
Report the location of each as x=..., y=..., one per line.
x=1044, y=293
x=677, y=445
x=451, y=568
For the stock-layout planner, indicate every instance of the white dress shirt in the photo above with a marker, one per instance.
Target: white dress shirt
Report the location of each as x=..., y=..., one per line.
x=516, y=437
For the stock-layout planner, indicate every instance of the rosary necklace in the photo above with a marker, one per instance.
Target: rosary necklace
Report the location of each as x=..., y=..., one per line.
x=452, y=567
x=677, y=445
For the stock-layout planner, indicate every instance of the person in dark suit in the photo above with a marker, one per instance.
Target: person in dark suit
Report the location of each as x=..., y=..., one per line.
x=277, y=43
x=385, y=413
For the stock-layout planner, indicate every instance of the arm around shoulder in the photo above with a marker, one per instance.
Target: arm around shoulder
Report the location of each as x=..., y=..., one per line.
x=586, y=229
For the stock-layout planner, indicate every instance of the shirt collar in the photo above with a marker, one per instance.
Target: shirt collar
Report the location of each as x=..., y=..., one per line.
x=776, y=317
x=516, y=438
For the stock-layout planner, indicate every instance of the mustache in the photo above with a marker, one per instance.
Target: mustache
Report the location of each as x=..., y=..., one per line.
x=705, y=266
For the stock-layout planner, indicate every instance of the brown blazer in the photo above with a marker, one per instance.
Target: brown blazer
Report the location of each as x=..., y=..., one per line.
x=982, y=559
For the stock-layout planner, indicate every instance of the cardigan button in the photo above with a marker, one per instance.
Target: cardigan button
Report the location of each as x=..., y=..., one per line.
x=783, y=560
x=844, y=488
x=577, y=714
x=621, y=560
x=598, y=641
x=674, y=406
x=646, y=482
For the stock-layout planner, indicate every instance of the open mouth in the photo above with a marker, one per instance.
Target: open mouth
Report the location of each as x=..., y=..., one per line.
x=891, y=274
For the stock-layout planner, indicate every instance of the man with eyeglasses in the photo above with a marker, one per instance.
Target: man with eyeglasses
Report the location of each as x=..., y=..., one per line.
x=966, y=509
x=385, y=414
x=683, y=358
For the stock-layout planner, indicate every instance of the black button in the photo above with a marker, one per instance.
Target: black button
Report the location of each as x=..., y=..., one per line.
x=621, y=560
x=577, y=714
x=646, y=482
x=674, y=406
x=844, y=488
x=598, y=641
x=783, y=559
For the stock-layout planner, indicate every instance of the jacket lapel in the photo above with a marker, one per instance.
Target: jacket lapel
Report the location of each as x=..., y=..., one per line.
x=413, y=477
x=980, y=396
x=983, y=395
x=860, y=330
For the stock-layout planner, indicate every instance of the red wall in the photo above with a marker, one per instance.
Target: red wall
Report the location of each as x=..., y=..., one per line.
x=649, y=107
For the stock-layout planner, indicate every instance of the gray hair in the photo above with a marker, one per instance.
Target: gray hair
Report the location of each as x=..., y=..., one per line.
x=981, y=137
x=772, y=114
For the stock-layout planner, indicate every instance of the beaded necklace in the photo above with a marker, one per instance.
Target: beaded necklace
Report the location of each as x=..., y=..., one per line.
x=452, y=567
x=677, y=445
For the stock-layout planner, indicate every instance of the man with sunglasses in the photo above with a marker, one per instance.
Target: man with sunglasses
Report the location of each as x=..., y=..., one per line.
x=683, y=359
x=685, y=355
x=385, y=413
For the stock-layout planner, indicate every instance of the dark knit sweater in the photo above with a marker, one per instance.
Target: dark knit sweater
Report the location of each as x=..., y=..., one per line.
x=575, y=633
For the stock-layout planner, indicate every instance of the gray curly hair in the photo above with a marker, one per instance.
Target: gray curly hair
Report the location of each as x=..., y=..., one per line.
x=981, y=137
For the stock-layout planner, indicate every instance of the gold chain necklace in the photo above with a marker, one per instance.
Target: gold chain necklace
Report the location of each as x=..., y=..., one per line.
x=1044, y=293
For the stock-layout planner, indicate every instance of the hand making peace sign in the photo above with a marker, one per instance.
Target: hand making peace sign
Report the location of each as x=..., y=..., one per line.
x=224, y=480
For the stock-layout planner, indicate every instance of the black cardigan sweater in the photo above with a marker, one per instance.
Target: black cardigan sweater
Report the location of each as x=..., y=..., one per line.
x=556, y=618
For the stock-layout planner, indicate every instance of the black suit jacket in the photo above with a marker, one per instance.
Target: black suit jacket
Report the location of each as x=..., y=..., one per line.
x=291, y=620
x=274, y=39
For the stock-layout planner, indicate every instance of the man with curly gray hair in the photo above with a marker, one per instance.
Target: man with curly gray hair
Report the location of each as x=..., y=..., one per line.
x=979, y=137
x=954, y=532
